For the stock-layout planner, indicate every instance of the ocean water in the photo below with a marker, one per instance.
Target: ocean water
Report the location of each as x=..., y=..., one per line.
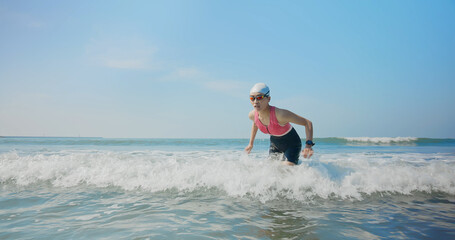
x=352, y=188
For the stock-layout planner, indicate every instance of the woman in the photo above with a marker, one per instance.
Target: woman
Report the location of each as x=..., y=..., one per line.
x=284, y=140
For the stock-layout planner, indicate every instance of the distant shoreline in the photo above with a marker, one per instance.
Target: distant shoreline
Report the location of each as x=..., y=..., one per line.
x=43, y=137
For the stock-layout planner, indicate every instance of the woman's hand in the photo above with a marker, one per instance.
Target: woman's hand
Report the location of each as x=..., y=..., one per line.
x=248, y=148
x=307, y=152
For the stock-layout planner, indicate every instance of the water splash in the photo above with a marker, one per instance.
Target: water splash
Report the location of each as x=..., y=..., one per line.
x=327, y=176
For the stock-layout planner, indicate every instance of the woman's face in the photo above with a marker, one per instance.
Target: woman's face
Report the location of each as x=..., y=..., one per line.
x=259, y=101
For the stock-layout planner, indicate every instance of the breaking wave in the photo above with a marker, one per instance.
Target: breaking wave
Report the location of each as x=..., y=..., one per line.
x=344, y=176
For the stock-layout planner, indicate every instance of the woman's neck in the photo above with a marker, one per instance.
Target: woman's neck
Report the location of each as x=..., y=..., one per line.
x=265, y=112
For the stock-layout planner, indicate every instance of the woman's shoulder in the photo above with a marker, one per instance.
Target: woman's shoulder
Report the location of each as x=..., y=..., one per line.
x=281, y=111
x=282, y=114
x=251, y=114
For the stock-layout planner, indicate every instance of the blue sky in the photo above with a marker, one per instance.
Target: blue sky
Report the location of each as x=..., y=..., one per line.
x=184, y=68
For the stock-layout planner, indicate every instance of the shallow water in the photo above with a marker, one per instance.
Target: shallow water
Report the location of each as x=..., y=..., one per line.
x=59, y=188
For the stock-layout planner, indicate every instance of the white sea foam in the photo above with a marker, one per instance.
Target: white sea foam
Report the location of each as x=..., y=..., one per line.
x=328, y=175
x=381, y=139
x=87, y=217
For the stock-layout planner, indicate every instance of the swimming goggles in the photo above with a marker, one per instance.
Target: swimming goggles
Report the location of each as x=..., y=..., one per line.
x=259, y=97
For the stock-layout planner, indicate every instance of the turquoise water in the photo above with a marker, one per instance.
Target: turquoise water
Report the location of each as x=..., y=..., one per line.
x=352, y=188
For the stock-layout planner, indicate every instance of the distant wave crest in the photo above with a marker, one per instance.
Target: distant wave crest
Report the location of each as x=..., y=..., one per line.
x=381, y=139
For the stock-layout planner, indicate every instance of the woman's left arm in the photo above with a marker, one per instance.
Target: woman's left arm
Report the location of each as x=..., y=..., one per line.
x=285, y=116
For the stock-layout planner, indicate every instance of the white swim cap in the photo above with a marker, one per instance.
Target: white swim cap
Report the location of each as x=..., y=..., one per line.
x=260, y=88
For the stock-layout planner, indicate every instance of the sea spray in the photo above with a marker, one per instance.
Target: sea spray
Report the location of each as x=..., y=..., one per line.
x=232, y=172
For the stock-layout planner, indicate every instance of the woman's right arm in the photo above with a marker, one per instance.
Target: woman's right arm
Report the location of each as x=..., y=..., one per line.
x=254, y=130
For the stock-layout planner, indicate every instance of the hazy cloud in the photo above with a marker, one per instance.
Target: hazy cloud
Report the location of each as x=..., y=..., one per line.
x=189, y=73
x=226, y=85
x=21, y=19
x=135, y=53
x=126, y=53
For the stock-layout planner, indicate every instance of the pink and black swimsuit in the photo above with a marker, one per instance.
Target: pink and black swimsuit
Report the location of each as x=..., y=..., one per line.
x=284, y=140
